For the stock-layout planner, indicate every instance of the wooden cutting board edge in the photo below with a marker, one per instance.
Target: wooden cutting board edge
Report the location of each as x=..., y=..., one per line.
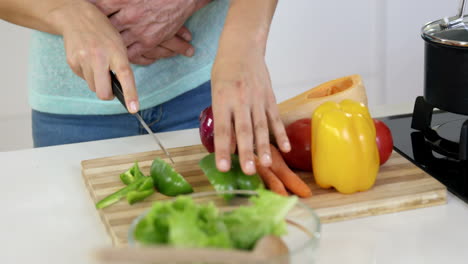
x=375, y=207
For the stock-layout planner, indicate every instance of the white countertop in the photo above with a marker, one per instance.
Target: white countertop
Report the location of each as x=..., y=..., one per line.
x=49, y=216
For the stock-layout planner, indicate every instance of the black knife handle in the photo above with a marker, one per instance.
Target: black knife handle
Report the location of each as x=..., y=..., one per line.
x=117, y=89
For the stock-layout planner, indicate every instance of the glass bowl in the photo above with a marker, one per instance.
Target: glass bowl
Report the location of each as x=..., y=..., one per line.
x=303, y=225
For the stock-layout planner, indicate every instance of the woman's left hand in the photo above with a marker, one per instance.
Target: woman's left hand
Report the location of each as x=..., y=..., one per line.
x=244, y=107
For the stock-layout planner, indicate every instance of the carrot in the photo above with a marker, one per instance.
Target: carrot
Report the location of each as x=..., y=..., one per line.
x=270, y=179
x=290, y=179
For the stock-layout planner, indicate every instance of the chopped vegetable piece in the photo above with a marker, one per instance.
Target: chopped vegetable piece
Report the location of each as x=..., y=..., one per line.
x=232, y=180
x=168, y=181
x=136, y=196
x=132, y=174
x=115, y=197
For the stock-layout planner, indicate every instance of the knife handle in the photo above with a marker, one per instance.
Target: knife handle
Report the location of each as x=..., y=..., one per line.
x=117, y=89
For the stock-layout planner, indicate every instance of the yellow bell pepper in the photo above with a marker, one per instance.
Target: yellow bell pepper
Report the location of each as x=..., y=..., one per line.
x=344, y=150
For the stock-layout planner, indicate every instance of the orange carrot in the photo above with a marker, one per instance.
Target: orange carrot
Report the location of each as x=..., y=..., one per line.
x=270, y=179
x=290, y=179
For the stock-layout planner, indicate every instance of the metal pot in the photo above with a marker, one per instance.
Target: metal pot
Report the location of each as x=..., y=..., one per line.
x=446, y=63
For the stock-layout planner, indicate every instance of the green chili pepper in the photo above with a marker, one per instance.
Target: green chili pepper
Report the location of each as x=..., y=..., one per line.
x=132, y=174
x=136, y=196
x=234, y=179
x=115, y=197
x=168, y=181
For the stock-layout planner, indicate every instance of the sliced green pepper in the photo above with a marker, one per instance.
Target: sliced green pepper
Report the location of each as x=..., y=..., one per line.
x=136, y=196
x=115, y=197
x=168, y=181
x=234, y=179
x=131, y=175
x=147, y=184
x=221, y=181
x=244, y=181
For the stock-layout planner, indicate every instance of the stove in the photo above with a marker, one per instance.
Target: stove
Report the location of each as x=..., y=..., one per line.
x=435, y=141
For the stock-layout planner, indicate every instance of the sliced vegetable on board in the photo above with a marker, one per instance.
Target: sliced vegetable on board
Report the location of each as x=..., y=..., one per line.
x=344, y=149
x=132, y=174
x=167, y=180
x=116, y=196
x=234, y=179
x=137, y=196
x=144, y=190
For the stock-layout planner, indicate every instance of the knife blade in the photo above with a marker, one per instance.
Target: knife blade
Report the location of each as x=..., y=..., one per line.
x=118, y=92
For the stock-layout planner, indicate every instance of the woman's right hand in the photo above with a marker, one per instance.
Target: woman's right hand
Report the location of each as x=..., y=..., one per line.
x=93, y=47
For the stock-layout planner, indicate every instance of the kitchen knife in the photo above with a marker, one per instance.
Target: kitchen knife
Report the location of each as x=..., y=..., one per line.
x=118, y=92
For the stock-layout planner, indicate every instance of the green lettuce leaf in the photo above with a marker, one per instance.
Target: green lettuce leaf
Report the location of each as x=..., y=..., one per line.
x=264, y=217
x=184, y=223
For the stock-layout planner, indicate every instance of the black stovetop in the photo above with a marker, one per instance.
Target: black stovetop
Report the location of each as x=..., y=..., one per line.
x=412, y=145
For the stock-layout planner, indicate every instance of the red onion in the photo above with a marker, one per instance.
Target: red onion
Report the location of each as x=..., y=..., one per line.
x=207, y=129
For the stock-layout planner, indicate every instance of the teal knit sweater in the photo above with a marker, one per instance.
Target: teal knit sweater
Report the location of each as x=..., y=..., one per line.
x=54, y=88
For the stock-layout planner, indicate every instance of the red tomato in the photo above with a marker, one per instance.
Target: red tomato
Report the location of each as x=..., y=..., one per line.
x=384, y=140
x=299, y=134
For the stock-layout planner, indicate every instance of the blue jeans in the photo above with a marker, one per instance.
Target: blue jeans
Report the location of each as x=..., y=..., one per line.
x=180, y=113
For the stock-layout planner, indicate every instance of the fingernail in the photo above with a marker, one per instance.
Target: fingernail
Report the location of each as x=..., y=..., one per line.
x=187, y=36
x=223, y=165
x=266, y=159
x=286, y=146
x=189, y=52
x=250, y=167
x=133, y=106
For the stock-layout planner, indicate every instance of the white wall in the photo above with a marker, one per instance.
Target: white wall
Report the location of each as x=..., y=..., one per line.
x=310, y=42
x=15, y=124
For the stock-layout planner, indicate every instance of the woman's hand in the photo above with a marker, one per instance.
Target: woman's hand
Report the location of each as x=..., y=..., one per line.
x=244, y=106
x=93, y=47
x=152, y=29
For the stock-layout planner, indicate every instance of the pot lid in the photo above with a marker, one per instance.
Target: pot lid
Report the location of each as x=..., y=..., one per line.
x=451, y=31
x=454, y=35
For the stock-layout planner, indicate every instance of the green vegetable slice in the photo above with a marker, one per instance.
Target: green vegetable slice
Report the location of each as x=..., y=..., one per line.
x=136, y=196
x=234, y=179
x=115, y=197
x=168, y=181
x=221, y=181
x=132, y=174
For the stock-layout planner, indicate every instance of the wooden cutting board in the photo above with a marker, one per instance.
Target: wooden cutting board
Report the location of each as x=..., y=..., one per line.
x=400, y=185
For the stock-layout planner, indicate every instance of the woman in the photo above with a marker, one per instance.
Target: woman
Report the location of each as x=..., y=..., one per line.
x=172, y=92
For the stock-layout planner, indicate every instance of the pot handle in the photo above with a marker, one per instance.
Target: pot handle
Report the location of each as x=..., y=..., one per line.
x=455, y=20
x=461, y=10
